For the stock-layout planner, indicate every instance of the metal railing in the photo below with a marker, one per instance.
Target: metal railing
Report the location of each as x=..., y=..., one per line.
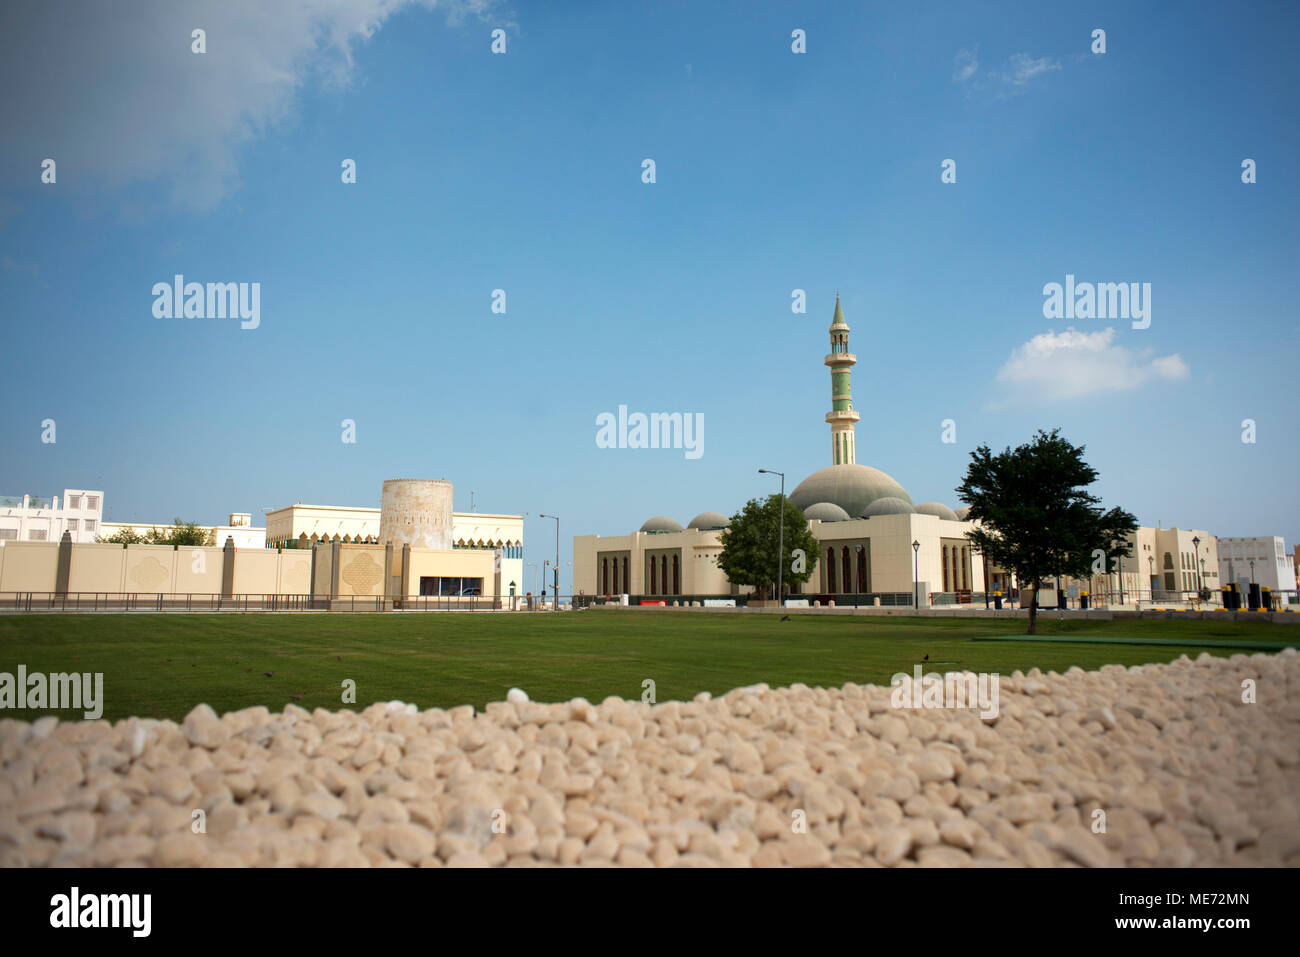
x=154, y=601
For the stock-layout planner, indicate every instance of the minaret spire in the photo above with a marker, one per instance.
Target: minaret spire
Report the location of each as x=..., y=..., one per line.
x=841, y=417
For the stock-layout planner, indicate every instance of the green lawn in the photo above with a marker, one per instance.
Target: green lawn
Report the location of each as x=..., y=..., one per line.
x=162, y=665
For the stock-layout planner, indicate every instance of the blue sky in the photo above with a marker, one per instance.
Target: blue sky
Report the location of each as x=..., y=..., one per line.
x=522, y=172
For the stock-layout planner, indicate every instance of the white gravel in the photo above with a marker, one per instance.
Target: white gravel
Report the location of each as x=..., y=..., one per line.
x=1184, y=771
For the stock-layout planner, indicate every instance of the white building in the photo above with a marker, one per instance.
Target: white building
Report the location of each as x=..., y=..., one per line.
x=1263, y=560
x=28, y=518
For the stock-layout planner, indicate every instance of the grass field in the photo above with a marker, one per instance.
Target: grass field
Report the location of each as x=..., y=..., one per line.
x=162, y=665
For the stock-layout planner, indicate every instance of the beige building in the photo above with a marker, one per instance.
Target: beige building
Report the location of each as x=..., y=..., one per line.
x=482, y=566
x=307, y=525
x=857, y=561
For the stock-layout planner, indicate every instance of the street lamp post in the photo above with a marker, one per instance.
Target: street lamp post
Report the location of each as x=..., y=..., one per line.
x=916, y=585
x=545, y=565
x=1151, y=577
x=780, y=535
x=556, y=604
x=1196, y=544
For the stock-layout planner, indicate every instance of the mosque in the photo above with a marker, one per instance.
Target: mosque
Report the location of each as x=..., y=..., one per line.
x=874, y=541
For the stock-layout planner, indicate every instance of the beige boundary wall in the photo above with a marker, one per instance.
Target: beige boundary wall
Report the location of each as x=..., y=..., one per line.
x=161, y=569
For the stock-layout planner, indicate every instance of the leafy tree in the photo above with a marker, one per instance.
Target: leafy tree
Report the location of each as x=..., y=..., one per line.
x=123, y=536
x=181, y=533
x=1036, y=517
x=749, y=545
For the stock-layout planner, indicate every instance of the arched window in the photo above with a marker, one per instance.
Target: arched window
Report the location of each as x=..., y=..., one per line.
x=945, y=567
x=626, y=580
x=862, y=570
x=663, y=568
x=677, y=580
x=848, y=573
x=653, y=580
x=604, y=576
x=830, y=571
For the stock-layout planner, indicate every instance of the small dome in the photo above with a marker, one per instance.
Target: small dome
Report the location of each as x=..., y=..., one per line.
x=888, y=506
x=706, y=521
x=662, y=523
x=938, y=509
x=962, y=512
x=825, y=512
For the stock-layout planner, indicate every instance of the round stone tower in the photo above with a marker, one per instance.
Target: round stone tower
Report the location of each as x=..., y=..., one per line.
x=416, y=512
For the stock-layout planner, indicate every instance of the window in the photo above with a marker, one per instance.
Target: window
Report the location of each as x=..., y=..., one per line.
x=8, y=534
x=92, y=502
x=72, y=524
x=74, y=501
x=36, y=535
x=90, y=524
x=433, y=585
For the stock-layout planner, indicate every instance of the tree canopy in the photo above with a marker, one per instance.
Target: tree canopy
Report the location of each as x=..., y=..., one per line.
x=178, y=533
x=749, y=545
x=1035, y=516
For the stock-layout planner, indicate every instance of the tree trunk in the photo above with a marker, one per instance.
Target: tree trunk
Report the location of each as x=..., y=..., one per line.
x=1033, y=609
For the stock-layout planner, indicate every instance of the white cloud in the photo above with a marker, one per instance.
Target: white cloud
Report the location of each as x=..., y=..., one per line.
x=1024, y=68
x=114, y=94
x=1072, y=364
x=964, y=65
x=1014, y=77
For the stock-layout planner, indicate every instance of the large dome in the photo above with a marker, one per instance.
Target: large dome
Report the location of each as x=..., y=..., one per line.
x=825, y=512
x=706, y=521
x=962, y=513
x=851, y=487
x=888, y=506
x=661, y=523
x=937, y=509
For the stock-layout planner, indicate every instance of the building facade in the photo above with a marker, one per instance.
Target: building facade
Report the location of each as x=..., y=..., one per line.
x=307, y=525
x=1262, y=559
x=29, y=518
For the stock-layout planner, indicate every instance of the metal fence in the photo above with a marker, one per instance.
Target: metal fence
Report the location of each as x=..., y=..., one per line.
x=176, y=602
x=144, y=601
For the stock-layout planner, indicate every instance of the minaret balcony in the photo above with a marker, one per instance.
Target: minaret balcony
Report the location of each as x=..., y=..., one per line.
x=841, y=359
x=845, y=416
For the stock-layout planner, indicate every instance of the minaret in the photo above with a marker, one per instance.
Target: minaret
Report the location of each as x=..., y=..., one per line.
x=841, y=417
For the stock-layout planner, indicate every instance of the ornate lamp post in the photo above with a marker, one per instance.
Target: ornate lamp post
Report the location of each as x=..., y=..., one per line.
x=916, y=594
x=1196, y=544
